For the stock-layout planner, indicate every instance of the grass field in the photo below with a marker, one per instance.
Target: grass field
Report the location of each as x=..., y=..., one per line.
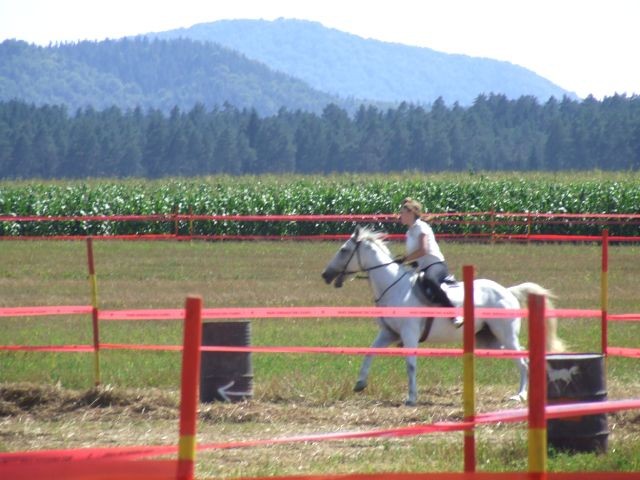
x=47, y=402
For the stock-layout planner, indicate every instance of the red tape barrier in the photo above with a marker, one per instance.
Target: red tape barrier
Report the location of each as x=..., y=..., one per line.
x=92, y=470
x=625, y=317
x=479, y=219
x=390, y=352
x=87, y=218
x=325, y=237
x=143, y=237
x=624, y=352
x=298, y=312
x=80, y=454
x=463, y=476
x=397, y=352
x=336, y=312
x=258, y=312
x=164, y=470
x=40, y=311
x=47, y=348
x=508, y=416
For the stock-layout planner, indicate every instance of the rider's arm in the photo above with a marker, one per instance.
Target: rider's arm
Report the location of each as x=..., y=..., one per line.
x=421, y=251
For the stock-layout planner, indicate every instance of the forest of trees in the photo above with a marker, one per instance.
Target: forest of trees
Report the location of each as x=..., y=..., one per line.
x=150, y=74
x=495, y=133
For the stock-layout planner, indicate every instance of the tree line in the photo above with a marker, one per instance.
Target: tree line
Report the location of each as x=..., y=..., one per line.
x=495, y=133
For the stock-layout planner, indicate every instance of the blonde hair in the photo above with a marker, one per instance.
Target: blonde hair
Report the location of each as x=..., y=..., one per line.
x=412, y=206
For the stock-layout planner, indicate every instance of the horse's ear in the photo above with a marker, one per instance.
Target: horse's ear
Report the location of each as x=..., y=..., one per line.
x=356, y=233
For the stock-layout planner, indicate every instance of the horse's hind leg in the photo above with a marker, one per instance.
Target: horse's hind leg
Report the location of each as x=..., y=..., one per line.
x=507, y=334
x=384, y=339
x=410, y=340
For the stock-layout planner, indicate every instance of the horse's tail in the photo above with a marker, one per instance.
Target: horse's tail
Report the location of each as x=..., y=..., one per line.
x=521, y=292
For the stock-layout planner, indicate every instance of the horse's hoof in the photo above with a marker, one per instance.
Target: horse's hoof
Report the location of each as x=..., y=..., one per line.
x=410, y=403
x=520, y=398
x=360, y=386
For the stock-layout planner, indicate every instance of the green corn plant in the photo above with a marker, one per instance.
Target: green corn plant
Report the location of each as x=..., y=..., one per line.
x=348, y=194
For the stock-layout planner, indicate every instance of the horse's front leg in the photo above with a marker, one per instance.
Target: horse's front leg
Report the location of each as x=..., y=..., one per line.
x=410, y=334
x=384, y=338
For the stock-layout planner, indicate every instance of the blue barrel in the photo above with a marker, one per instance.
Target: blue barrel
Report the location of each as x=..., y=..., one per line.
x=226, y=376
x=577, y=378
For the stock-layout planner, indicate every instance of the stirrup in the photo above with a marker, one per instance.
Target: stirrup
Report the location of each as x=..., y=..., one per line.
x=450, y=280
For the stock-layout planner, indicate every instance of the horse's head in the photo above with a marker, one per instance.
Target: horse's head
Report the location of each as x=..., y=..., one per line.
x=350, y=258
x=343, y=262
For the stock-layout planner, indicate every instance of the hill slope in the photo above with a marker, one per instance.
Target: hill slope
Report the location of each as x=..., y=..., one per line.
x=148, y=73
x=350, y=66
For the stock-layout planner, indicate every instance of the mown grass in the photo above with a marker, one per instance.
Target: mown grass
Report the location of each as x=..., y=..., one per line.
x=162, y=274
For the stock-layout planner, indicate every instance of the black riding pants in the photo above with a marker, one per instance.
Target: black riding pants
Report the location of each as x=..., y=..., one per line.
x=433, y=277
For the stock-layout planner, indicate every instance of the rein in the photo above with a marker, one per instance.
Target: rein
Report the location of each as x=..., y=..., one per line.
x=367, y=270
x=390, y=287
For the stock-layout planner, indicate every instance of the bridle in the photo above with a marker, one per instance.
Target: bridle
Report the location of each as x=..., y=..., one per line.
x=361, y=268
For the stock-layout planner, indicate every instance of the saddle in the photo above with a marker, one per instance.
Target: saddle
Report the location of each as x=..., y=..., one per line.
x=424, y=292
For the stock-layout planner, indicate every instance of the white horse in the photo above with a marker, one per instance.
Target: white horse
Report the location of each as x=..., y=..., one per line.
x=395, y=286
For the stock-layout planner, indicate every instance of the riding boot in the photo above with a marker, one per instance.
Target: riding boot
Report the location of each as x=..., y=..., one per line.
x=457, y=321
x=436, y=294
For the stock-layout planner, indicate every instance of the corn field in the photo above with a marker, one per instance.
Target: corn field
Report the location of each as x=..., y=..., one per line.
x=597, y=192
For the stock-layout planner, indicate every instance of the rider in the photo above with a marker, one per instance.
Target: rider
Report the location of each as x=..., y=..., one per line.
x=422, y=248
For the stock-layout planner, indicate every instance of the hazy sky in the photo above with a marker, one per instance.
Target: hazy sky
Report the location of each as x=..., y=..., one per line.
x=585, y=46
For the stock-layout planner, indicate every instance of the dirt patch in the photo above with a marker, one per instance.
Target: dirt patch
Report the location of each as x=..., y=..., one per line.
x=51, y=401
x=25, y=397
x=34, y=416
x=50, y=417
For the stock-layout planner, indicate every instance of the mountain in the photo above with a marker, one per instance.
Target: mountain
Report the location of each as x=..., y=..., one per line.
x=298, y=65
x=350, y=66
x=157, y=74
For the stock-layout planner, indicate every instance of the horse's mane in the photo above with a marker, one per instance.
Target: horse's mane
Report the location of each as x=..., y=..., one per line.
x=377, y=238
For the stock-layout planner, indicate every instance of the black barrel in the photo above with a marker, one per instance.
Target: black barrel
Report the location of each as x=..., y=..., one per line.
x=577, y=378
x=226, y=376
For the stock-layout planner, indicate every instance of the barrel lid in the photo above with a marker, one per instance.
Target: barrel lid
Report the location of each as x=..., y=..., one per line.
x=574, y=356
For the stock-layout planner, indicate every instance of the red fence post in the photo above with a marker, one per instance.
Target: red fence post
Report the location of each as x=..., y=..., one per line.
x=189, y=387
x=604, y=291
x=94, y=312
x=469, y=394
x=537, y=386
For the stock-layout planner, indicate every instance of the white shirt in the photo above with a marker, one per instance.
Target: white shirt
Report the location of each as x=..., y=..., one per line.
x=414, y=233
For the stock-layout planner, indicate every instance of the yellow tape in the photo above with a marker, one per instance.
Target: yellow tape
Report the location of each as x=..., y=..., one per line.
x=187, y=447
x=469, y=393
x=537, y=450
x=604, y=291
